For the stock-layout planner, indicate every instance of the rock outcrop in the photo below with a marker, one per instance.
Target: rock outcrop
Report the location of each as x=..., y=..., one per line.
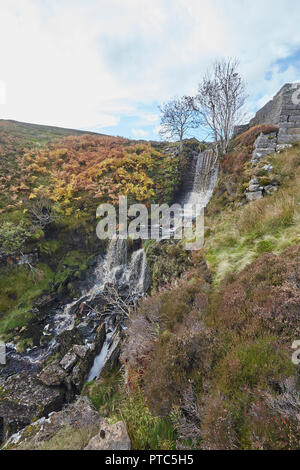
x=78, y=426
x=110, y=437
x=26, y=396
x=266, y=144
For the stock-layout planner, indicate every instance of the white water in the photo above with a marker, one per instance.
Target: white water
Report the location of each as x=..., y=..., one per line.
x=127, y=276
x=119, y=271
x=205, y=178
x=111, y=343
x=100, y=360
x=114, y=270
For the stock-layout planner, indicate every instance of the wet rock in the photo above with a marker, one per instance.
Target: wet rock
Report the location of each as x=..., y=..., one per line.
x=23, y=398
x=82, y=351
x=80, y=372
x=72, y=371
x=79, y=375
x=85, y=328
x=110, y=437
x=68, y=361
x=52, y=375
x=67, y=338
x=100, y=337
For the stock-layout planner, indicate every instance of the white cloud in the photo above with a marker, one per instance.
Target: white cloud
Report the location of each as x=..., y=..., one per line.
x=104, y=120
x=85, y=63
x=139, y=133
x=151, y=118
x=2, y=92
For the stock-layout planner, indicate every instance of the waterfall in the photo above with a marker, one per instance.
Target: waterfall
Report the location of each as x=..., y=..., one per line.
x=133, y=276
x=106, y=351
x=204, y=173
x=128, y=275
x=136, y=274
x=116, y=254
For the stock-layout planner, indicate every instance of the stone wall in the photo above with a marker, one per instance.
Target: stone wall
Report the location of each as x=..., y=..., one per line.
x=270, y=113
x=240, y=129
x=283, y=111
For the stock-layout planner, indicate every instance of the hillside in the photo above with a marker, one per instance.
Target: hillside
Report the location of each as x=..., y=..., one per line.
x=28, y=133
x=205, y=359
x=217, y=373
x=49, y=193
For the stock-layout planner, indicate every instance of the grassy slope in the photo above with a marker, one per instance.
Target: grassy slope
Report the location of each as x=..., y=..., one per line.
x=239, y=235
x=36, y=132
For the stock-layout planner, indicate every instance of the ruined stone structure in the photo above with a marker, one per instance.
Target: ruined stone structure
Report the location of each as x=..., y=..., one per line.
x=282, y=111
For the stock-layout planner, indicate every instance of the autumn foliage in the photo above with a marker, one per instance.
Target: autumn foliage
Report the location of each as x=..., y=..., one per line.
x=78, y=172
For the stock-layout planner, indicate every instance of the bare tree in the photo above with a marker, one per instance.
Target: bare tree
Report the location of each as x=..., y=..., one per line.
x=178, y=116
x=118, y=304
x=220, y=99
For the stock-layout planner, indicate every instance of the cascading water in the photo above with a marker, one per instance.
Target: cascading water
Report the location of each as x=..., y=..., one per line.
x=110, y=343
x=205, y=175
x=114, y=269
x=131, y=276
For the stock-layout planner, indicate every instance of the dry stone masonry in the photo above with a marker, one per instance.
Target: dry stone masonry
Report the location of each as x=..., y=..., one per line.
x=264, y=145
x=282, y=111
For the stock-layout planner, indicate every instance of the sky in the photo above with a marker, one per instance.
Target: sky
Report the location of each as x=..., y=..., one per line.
x=106, y=65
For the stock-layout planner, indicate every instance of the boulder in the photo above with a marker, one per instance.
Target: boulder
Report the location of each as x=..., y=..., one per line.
x=82, y=351
x=270, y=189
x=252, y=188
x=78, y=426
x=254, y=196
x=60, y=430
x=110, y=437
x=79, y=375
x=68, y=361
x=23, y=398
x=52, y=375
x=68, y=338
